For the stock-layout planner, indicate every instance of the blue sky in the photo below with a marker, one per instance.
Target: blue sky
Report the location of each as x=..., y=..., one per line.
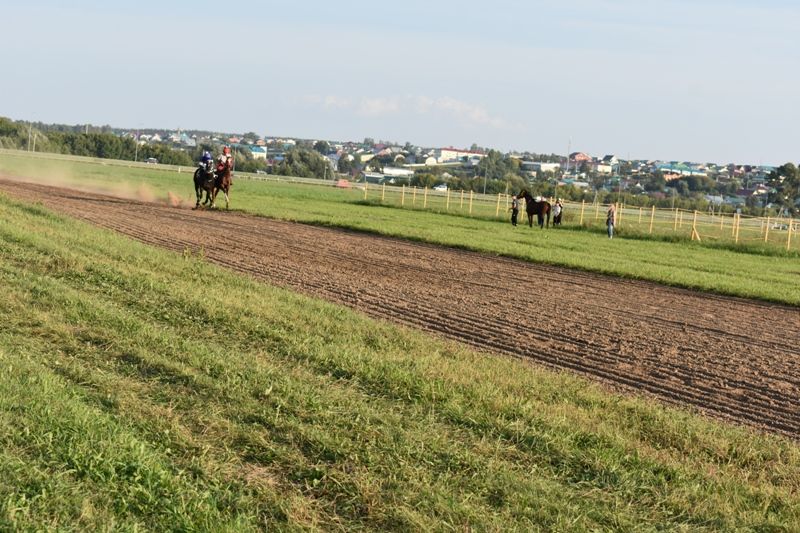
x=702, y=80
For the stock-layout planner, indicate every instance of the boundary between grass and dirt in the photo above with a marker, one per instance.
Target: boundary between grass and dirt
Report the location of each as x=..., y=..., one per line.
x=531, y=247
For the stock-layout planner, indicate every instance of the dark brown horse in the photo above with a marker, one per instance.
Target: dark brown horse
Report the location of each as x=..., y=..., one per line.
x=204, y=179
x=538, y=208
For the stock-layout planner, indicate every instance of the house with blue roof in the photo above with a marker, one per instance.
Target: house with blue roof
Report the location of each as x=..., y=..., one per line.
x=258, y=152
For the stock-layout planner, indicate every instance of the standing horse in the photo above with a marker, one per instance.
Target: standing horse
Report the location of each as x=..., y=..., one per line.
x=204, y=179
x=538, y=208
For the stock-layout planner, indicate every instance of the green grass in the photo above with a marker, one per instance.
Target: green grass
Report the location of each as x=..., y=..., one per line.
x=756, y=271
x=144, y=390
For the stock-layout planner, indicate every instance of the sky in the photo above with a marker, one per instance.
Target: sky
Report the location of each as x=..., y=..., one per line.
x=689, y=80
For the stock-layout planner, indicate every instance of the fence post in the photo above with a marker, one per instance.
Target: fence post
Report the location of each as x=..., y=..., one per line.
x=618, y=211
x=365, y=188
x=447, y=204
x=736, y=228
x=733, y=225
x=789, y=236
x=597, y=210
x=721, y=221
x=414, y=196
x=497, y=211
x=403, y=196
x=425, y=199
x=694, y=226
x=675, y=224
x=470, y=202
x=383, y=192
x=766, y=231
x=680, y=220
x=640, y=215
x=461, y=206
x=652, y=218
x=583, y=206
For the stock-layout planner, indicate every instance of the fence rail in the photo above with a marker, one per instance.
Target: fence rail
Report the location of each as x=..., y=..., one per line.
x=695, y=225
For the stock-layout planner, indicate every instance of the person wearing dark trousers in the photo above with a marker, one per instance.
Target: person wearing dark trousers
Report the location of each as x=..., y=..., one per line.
x=514, y=210
x=558, y=209
x=611, y=219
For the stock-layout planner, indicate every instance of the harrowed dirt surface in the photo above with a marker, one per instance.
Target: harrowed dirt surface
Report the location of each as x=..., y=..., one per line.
x=732, y=358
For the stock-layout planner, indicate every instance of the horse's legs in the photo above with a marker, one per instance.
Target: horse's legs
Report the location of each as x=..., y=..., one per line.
x=199, y=193
x=227, y=200
x=530, y=221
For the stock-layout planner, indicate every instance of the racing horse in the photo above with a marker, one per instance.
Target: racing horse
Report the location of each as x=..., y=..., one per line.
x=223, y=183
x=204, y=179
x=539, y=208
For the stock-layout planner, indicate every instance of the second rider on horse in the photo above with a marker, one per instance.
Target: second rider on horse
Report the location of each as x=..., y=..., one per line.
x=225, y=159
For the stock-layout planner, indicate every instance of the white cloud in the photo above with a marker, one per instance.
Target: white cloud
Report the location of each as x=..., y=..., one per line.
x=377, y=107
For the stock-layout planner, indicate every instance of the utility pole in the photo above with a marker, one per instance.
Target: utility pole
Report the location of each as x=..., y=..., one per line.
x=34, y=140
x=30, y=128
x=136, y=150
x=569, y=147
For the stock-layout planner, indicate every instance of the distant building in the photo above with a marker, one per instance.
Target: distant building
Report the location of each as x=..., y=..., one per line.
x=602, y=168
x=445, y=155
x=579, y=157
x=394, y=172
x=539, y=166
x=258, y=152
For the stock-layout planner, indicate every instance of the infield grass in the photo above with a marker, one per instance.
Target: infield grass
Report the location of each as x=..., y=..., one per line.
x=758, y=272
x=142, y=390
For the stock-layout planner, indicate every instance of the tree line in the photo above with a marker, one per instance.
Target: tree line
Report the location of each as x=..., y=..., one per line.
x=21, y=136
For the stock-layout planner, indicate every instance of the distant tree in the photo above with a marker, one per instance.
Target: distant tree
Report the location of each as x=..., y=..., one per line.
x=655, y=182
x=303, y=163
x=785, y=184
x=344, y=165
x=322, y=147
x=424, y=179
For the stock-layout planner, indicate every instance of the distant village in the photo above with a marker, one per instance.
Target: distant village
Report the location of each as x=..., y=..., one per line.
x=734, y=185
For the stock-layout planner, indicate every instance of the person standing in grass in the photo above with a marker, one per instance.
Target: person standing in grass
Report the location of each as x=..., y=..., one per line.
x=558, y=208
x=611, y=216
x=514, y=210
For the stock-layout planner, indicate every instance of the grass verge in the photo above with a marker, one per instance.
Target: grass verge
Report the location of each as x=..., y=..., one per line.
x=140, y=389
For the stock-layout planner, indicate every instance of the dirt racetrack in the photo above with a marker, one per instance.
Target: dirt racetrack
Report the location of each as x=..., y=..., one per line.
x=732, y=358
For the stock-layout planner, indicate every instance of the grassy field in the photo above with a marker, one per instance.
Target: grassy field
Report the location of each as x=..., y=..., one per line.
x=144, y=390
x=767, y=273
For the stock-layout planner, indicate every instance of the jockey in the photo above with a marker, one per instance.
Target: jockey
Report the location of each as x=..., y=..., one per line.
x=206, y=160
x=225, y=159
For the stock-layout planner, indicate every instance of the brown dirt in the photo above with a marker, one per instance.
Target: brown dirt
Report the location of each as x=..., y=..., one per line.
x=732, y=358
